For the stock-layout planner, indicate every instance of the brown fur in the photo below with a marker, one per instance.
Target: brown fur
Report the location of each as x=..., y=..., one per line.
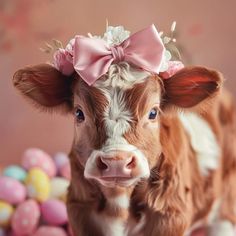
x=176, y=195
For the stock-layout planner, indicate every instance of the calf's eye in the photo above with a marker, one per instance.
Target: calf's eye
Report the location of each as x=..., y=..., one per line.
x=153, y=114
x=79, y=115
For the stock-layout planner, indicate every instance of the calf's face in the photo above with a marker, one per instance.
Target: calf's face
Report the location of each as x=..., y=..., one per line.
x=116, y=130
x=117, y=120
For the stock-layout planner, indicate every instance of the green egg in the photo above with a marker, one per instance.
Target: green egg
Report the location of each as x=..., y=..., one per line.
x=15, y=172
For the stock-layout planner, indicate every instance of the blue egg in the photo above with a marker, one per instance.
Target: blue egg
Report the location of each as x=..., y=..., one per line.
x=15, y=172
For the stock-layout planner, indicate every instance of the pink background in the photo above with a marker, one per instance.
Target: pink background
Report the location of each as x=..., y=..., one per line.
x=206, y=34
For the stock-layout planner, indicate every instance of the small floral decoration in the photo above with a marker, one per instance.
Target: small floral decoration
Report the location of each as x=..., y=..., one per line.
x=171, y=51
x=165, y=61
x=173, y=67
x=63, y=57
x=172, y=60
x=115, y=35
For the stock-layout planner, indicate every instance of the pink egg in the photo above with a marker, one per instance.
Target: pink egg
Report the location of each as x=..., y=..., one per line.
x=65, y=171
x=11, y=190
x=60, y=160
x=26, y=218
x=50, y=231
x=34, y=157
x=54, y=212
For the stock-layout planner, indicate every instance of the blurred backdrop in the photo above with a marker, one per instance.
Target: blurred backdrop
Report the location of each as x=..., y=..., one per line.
x=206, y=35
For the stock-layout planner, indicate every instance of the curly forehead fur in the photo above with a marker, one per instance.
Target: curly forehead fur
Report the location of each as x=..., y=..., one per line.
x=122, y=75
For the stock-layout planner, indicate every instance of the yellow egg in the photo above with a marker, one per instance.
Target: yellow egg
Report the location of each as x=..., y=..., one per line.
x=38, y=185
x=6, y=211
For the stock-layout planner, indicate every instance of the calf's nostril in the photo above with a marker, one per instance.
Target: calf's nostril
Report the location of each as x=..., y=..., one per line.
x=131, y=163
x=101, y=164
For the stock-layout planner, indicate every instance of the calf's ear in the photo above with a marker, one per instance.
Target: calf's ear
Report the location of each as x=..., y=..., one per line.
x=45, y=86
x=191, y=86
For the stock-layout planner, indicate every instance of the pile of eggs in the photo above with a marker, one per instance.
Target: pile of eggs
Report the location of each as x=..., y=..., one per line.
x=33, y=195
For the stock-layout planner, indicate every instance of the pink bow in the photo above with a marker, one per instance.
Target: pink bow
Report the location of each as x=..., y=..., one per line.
x=92, y=56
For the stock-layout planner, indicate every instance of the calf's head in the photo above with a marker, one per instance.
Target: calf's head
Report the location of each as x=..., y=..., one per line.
x=117, y=119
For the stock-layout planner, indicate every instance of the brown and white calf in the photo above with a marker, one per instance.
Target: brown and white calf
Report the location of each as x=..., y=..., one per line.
x=150, y=157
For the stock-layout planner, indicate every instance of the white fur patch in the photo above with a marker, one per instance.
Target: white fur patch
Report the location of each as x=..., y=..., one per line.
x=113, y=85
x=214, y=213
x=121, y=201
x=217, y=226
x=110, y=226
x=116, y=117
x=117, y=227
x=221, y=228
x=203, y=141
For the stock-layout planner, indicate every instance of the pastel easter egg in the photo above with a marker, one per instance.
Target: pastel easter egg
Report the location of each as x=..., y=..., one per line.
x=11, y=190
x=26, y=218
x=6, y=211
x=54, y=212
x=58, y=187
x=65, y=171
x=50, y=231
x=15, y=172
x=37, y=185
x=34, y=157
x=60, y=159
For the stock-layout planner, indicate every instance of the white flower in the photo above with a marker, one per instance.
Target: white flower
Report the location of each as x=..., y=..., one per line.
x=115, y=35
x=166, y=40
x=166, y=58
x=70, y=46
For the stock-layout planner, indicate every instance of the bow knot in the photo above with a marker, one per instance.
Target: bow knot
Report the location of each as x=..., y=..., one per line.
x=118, y=53
x=93, y=57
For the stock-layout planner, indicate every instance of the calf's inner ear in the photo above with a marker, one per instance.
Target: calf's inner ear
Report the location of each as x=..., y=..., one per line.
x=191, y=86
x=45, y=86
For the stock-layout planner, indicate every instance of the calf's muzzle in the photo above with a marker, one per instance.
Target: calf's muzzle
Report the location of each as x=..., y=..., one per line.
x=116, y=165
